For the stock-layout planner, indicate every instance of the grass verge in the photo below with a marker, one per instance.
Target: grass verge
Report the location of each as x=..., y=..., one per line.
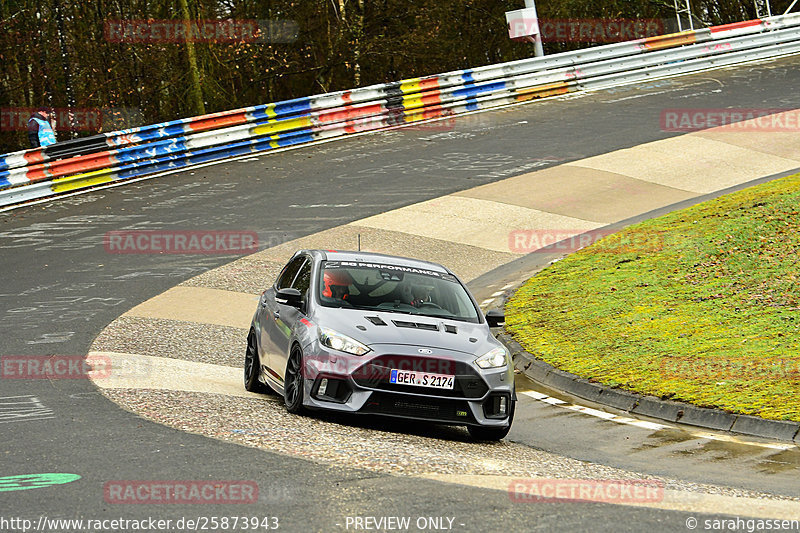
x=700, y=305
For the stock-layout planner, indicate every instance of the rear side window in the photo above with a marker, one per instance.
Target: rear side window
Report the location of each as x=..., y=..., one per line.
x=289, y=272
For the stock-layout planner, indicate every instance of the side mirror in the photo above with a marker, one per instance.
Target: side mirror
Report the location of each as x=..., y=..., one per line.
x=290, y=297
x=495, y=318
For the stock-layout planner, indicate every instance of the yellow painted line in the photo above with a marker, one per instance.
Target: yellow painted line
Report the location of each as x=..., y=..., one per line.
x=87, y=179
x=673, y=500
x=201, y=305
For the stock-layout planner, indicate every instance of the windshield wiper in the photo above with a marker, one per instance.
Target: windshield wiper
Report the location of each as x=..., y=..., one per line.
x=380, y=309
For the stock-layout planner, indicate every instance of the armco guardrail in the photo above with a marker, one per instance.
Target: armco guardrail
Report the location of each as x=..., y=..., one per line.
x=121, y=155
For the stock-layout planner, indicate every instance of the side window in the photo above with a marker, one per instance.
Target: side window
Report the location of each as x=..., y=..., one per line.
x=289, y=272
x=303, y=279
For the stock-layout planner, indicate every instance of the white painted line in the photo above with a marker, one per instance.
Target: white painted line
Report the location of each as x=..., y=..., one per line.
x=498, y=293
x=653, y=426
x=553, y=401
x=15, y=420
x=731, y=438
x=592, y=412
x=508, y=286
x=487, y=301
x=649, y=425
x=535, y=395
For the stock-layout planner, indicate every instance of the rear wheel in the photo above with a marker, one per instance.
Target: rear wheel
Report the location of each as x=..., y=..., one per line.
x=293, y=382
x=493, y=433
x=251, y=366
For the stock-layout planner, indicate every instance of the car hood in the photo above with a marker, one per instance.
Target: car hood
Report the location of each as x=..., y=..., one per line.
x=401, y=329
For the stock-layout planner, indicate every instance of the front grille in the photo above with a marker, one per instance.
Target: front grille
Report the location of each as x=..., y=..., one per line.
x=420, y=407
x=375, y=375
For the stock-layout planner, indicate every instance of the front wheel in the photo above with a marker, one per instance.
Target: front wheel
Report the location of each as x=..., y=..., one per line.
x=493, y=433
x=252, y=366
x=293, y=382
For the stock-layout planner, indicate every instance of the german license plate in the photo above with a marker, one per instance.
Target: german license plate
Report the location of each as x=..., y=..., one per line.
x=422, y=379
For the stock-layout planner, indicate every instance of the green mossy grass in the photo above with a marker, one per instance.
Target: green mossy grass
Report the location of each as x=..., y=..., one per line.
x=701, y=305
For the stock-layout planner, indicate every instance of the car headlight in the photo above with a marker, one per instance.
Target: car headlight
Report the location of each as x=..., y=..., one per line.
x=494, y=359
x=340, y=342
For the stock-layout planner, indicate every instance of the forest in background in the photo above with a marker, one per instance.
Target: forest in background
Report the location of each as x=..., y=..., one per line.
x=65, y=54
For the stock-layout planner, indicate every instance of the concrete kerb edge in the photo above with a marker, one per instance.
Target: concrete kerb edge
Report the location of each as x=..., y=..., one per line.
x=651, y=406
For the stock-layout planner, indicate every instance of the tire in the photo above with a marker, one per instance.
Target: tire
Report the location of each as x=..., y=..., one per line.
x=493, y=433
x=251, y=365
x=293, y=382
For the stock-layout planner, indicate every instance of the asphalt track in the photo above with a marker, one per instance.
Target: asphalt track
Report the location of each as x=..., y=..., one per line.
x=61, y=289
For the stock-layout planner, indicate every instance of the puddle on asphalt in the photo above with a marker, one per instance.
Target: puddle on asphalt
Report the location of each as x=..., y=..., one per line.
x=763, y=459
x=662, y=438
x=781, y=462
x=716, y=450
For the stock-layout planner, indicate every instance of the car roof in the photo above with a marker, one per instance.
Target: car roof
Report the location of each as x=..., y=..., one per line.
x=371, y=257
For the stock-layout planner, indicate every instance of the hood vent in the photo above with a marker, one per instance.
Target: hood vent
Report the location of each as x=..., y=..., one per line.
x=415, y=325
x=376, y=320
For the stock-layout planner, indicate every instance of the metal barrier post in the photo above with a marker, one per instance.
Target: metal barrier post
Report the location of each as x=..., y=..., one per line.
x=538, y=50
x=688, y=11
x=760, y=5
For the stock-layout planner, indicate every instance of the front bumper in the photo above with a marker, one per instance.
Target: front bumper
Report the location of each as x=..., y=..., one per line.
x=346, y=383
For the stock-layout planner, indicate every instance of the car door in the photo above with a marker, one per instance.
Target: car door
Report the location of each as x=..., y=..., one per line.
x=284, y=319
x=272, y=323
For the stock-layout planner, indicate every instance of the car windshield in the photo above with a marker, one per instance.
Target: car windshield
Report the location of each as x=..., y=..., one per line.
x=395, y=289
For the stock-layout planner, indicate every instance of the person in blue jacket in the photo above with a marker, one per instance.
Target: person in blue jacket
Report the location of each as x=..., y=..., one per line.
x=40, y=132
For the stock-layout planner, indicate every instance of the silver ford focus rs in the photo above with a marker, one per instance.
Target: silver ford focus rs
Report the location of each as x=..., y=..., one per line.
x=375, y=334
